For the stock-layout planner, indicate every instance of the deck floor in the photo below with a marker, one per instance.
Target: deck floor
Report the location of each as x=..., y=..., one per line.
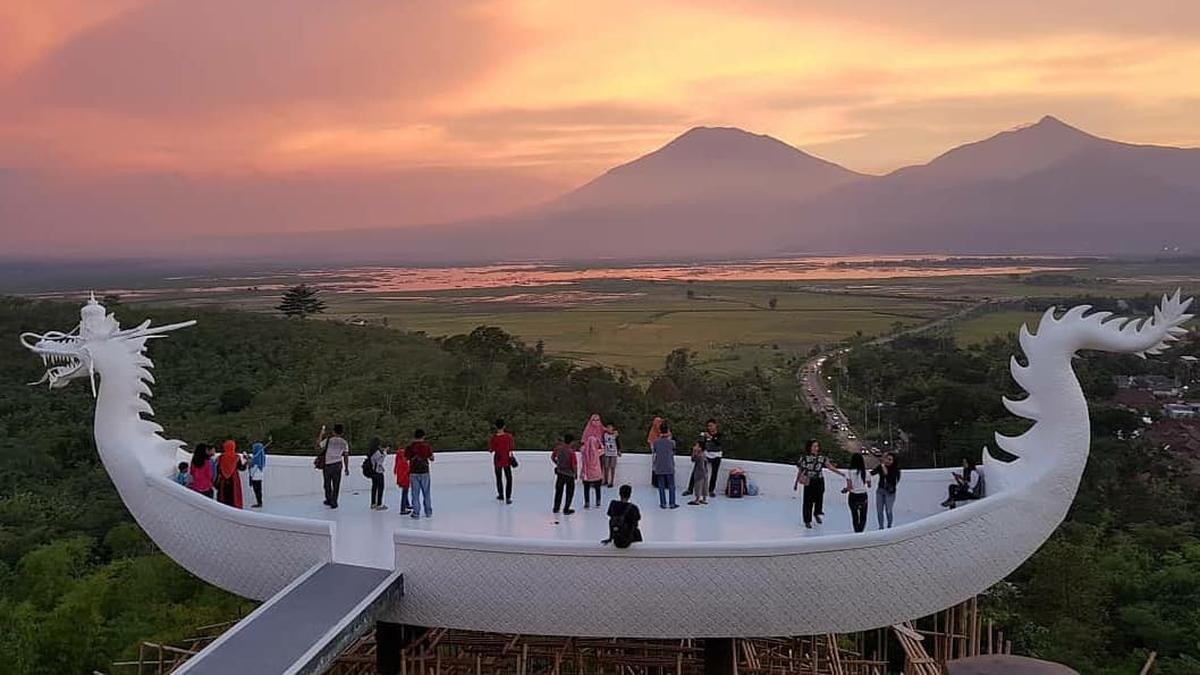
x=364, y=536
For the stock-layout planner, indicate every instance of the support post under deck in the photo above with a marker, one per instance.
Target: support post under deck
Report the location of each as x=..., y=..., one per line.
x=390, y=641
x=718, y=656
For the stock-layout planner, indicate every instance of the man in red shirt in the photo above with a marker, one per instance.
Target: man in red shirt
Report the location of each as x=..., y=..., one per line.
x=501, y=446
x=420, y=454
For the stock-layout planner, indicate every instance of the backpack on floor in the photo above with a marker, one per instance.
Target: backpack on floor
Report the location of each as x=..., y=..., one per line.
x=735, y=488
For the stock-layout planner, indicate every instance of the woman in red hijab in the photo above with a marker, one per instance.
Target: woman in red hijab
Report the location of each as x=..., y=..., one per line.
x=229, y=483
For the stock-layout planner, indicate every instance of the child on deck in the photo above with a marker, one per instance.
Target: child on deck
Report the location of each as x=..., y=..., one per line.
x=612, y=450
x=403, y=481
x=181, y=474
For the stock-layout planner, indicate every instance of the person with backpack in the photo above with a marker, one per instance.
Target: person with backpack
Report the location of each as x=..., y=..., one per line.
x=373, y=469
x=334, y=460
x=420, y=455
x=501, y=446
x=565, y=469
x=403, y=480
x=623, y=519
x=857, y=487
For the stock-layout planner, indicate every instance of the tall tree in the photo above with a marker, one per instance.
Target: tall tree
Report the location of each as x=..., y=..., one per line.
x=301, y=301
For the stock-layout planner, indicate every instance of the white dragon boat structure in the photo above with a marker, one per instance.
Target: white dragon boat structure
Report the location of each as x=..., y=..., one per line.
x=743, y=568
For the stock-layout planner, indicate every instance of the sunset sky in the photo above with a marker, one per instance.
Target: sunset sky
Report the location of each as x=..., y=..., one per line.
x=517, y=100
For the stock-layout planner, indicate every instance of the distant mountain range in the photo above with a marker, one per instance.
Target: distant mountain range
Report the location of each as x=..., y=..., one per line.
x=1042, y=188
x=723, y=192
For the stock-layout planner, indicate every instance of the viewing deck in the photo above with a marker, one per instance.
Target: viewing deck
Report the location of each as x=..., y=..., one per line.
x=465, y=505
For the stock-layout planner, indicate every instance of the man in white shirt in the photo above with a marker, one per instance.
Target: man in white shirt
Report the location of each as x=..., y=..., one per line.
x=336, y=450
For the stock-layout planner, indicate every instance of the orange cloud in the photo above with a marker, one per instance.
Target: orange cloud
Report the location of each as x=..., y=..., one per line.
x=568, y=89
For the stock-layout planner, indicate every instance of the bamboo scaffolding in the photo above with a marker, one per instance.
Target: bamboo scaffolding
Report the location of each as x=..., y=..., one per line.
x=955, y=632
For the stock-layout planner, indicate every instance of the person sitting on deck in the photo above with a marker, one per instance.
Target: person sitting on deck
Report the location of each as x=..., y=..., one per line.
x=623, y=519
x=967, y=485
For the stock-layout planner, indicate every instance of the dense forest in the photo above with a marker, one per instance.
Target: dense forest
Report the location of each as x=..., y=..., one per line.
x=1121, y=577
x=80, y=584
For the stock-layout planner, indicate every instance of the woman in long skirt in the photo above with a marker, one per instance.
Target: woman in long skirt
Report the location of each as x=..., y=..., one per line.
x=699, y=475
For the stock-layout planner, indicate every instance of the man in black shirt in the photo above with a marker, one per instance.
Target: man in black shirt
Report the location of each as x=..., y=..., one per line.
x=623, y=518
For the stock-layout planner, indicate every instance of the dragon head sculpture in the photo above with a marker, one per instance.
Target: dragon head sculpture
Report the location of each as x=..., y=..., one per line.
x=72, y=355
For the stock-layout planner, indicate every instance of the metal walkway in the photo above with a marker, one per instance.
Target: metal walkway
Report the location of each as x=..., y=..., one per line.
x=304, y=627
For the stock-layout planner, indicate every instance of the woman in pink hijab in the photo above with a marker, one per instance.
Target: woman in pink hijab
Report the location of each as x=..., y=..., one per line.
x=591, y=449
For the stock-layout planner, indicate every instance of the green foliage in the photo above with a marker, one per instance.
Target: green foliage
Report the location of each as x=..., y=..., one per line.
x=80, y=584
x=1121, y=577
x=300, y=301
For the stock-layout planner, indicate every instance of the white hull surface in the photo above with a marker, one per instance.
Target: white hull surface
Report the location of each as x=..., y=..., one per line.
x=738, y=568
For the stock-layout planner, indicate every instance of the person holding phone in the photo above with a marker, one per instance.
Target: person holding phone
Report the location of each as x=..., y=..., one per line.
x=335, y=451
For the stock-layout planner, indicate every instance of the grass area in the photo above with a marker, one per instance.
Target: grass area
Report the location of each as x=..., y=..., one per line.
x=992, y=324
x=731, y=326
x=633, y=324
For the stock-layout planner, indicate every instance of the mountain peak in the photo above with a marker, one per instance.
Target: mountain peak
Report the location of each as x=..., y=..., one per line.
x=724, y=144
x=706, y=163
x=1049, y=124
x=1009, y=154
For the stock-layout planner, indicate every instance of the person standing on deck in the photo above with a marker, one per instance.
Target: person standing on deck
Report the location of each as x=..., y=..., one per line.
x=651, y=437
x=710, y=439
x=375, y=458
x=420, y=456
x=699, y=475
x=663, y=463
x=258, y=469
x=612, y=450
x=403, y=479
x=591, y=450
x=565, y=469
x=810, y=472
x=337, y=462
x=857, y=487
x=501, y=446
x=229, y=480
x=888, y=472
x=201, y=471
